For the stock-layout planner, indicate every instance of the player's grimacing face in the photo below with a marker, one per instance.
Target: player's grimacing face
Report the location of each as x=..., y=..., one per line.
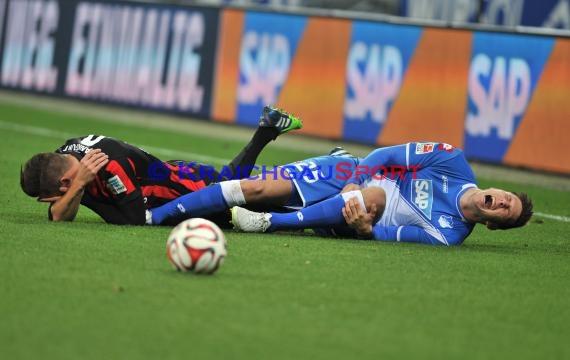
x=499, y=205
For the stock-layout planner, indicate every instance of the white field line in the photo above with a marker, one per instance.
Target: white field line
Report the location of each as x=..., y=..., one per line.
x=152, y=120
x=553, y=217
x=214, y=130
x=56, y=134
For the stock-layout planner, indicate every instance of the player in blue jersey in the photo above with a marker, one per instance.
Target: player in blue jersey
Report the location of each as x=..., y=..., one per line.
x=416, y=192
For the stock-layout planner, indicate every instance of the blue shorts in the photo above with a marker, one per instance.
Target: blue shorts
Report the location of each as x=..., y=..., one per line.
x=319, y=178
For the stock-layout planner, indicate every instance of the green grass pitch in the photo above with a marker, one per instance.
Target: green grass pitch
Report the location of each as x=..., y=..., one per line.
x=88, y=290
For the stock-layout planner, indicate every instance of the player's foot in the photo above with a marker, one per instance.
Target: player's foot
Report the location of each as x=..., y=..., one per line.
x=279, y=119
x=249, y=221
x=340, y=151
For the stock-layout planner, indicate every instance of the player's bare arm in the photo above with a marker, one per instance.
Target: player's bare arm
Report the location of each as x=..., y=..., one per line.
x=357, y=217
x=65, y=208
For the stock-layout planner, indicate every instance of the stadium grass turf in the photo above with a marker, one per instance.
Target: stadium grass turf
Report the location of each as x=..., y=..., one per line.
x=87, y=290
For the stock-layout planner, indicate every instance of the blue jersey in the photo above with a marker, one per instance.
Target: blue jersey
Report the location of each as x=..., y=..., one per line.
x=319, y=178
x=423, y=183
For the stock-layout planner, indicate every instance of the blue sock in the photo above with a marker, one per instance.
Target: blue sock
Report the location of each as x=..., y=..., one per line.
x=324, y=213
x=199, y=203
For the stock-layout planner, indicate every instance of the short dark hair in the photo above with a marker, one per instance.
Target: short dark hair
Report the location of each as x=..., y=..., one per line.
x=39, y=176
x=524, y=217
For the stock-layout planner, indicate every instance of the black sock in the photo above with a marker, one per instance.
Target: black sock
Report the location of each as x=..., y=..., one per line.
x=242, y=165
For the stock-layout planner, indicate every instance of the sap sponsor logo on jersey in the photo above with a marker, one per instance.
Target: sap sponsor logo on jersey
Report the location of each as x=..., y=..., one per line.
x=137, y=55
x=422, y=196
x=424, y=148
x=30, y=44
x=265, y=60
x=374, y=75
x=502, y=100
x=445, y=222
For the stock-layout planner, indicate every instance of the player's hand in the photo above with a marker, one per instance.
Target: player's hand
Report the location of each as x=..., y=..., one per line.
x=90, y=165
x=350, y=187
x=357, y=217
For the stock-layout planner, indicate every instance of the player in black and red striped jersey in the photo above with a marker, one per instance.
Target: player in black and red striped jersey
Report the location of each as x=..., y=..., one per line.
x=119, y=181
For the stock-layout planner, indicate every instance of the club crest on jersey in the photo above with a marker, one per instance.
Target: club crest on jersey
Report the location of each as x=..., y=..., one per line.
x=424, y=148
x=445, y=222
x=115, y=185
x=422, y=195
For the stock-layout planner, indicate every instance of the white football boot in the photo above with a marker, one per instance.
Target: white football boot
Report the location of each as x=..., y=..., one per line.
x=250, y=221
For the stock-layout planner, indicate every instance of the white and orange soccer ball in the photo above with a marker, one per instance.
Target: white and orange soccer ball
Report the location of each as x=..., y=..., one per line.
x=197, y=245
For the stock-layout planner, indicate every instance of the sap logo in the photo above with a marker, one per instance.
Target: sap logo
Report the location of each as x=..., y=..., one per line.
x=374, y=76
x=422, y=196
x=264, y=65
x=505, y=98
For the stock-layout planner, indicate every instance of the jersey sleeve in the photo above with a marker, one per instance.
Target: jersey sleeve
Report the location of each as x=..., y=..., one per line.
x=110, y=213
x=410, y=233
x=127, y=198
x=409, y=157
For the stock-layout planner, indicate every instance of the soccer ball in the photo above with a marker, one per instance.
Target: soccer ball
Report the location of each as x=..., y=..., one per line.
x=196, y=245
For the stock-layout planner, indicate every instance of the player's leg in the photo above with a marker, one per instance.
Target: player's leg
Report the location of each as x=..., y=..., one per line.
x=298, y=184
x=295, y=185
x=327, y=213
x=271, y=191
x=272, y=123
x=224, y=195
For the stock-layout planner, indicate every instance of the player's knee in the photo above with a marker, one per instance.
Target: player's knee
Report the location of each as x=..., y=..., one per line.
x=253, y=190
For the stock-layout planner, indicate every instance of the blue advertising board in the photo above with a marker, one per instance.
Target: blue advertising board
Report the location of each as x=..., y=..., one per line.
x=268, y=46
x=503, y=75
x=376, y=66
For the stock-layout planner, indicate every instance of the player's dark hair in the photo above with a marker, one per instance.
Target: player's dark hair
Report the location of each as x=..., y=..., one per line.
x=39, y=177
x=524, y=217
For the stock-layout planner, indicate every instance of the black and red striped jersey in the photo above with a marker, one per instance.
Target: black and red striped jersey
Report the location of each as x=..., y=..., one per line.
x=133, y=180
